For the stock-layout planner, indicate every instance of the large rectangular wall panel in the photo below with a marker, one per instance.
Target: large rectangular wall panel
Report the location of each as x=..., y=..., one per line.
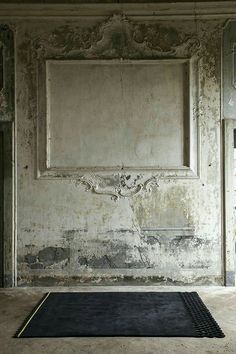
x=109, y=113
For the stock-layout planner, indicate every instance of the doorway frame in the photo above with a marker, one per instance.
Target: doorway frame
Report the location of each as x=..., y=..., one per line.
x=9, y=240
x=229, y=125
x=7, y=127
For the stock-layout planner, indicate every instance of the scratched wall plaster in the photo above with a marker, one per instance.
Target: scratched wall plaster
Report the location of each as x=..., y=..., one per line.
x=67, y=235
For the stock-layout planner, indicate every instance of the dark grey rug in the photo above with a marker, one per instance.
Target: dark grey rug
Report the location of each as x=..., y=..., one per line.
x=155, y=314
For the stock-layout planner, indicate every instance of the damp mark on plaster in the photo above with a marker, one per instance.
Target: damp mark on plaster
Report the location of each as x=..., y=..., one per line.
x=152, y=240
x=37, y=265
x=33, y=280
x=121, y=231
x=47, y=257
x=69, y=235
x=97, y=262
x=113, y=261
x=195, y=265
x=30, y=258
x=51, y=255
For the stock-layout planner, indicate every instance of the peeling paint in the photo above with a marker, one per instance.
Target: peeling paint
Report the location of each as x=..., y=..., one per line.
x=172, y=235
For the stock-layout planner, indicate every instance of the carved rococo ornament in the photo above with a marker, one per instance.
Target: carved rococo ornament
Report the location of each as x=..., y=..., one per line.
x=116, y=37
x=124, y=185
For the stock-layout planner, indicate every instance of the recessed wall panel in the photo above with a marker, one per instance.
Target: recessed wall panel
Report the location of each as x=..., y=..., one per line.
x=109, y=114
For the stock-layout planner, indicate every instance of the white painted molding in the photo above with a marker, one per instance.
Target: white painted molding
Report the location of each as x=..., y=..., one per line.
x=229, y=70
x=83, y=174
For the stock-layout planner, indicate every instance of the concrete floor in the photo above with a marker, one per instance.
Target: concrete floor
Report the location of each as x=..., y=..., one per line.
x=15, y=305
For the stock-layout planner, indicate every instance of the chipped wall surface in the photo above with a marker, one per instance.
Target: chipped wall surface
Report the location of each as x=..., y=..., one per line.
x=167, y=232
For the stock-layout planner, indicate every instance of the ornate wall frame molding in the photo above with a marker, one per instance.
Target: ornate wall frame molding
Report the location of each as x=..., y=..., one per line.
x=119, y=39
x=6, y=74
x=115, y=38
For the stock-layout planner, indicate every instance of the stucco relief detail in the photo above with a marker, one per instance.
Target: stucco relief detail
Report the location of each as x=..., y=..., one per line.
x=123, y=185
x=115, y=38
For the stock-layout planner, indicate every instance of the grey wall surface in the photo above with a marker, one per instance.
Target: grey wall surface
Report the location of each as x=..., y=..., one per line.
x=112, y=114
x=118, y=170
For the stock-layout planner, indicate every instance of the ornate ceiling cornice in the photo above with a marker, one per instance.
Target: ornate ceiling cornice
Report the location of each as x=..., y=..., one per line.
x=162, y=10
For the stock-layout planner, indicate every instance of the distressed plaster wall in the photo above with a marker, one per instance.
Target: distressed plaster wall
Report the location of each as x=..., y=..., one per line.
x=68, y=235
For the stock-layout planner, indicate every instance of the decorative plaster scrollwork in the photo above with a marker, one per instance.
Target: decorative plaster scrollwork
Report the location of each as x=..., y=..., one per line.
x=116, y=37
x=121, y=189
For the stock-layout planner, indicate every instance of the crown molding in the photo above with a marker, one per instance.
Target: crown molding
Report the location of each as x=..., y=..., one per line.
x=181, y=10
